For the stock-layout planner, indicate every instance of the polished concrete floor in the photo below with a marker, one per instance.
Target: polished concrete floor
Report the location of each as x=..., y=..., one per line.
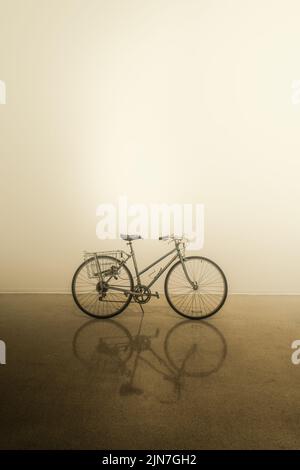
x=149, y=382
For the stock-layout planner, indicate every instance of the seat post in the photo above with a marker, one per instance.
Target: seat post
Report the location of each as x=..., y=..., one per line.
x=134, y=262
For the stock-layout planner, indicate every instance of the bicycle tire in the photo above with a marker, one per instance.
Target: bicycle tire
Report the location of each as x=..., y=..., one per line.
x=84, y=308
x=210, y=329
x=91, y=324
x=186, y=314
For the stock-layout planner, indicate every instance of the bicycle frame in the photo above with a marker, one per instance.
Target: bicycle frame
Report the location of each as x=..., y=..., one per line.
x=138, y=273
x=160, y=272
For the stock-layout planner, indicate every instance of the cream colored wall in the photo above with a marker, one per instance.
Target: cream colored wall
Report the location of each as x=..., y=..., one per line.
x=161, y=100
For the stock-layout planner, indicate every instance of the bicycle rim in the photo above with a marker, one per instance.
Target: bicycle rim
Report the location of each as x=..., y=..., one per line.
x=87, y=293
x=210, y=294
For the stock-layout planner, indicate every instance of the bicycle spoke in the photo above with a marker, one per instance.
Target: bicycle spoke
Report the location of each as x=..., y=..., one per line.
x=206, y=298
x=94, y=291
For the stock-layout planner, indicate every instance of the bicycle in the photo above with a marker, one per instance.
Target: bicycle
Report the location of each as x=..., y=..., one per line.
x=103, y=286
x=110, y=348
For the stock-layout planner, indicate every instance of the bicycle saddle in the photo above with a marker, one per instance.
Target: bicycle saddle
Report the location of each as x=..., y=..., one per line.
x=129, y=238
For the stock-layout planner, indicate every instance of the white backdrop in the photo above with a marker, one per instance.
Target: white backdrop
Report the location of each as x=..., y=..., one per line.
x=163, y=101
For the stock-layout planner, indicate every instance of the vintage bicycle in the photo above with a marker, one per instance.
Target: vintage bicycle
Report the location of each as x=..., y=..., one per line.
x=112, y=348
x=103, y=285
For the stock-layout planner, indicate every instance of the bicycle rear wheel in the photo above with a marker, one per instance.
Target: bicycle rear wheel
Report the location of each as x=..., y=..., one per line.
x=103, y=346
x=210, y=294
x=98, y=298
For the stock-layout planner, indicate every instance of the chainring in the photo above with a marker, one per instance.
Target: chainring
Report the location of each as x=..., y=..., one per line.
x=142, y=294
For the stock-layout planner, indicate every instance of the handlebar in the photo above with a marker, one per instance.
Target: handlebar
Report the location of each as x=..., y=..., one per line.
x=174, y=238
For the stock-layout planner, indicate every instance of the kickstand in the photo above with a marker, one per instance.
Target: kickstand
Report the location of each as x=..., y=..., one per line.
x=140, y=306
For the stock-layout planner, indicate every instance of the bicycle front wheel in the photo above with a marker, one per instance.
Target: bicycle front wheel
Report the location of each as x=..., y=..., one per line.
x=211, y=291
x=102, y=298
x=202, y=352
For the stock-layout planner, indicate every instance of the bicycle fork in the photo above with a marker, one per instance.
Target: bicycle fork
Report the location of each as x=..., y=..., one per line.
x=193, y=284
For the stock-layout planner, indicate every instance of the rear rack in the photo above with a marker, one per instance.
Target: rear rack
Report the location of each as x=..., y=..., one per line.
x=113, y=260
x=117, y=254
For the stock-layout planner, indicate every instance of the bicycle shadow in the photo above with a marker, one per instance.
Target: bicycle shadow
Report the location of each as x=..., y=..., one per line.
x=191, y=350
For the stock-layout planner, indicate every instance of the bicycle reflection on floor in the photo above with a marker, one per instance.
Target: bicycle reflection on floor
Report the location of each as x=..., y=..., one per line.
x=191, y=349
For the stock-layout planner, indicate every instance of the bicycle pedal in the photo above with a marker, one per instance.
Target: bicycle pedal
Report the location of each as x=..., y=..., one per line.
x=156, y=295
